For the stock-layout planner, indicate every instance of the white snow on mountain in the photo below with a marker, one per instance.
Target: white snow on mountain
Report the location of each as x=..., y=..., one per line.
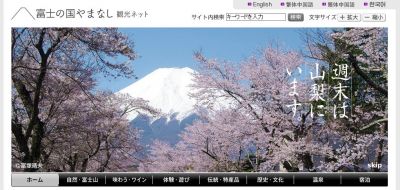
x=166, y=89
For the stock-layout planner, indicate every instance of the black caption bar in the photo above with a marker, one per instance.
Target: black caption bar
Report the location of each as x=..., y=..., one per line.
x=223, y=179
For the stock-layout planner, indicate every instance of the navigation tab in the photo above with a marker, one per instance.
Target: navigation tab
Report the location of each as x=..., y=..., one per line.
x=176, y=179
x=270, y=179
x=364, y=179
x=129, y=179
x=34, y=180
x=317, y=179
x=82, y=179
x=225, y=179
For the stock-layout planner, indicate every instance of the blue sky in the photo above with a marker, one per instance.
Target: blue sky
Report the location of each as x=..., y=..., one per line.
x=174, y=47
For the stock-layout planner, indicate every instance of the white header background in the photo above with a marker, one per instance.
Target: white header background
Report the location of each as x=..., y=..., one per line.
x=175, y=13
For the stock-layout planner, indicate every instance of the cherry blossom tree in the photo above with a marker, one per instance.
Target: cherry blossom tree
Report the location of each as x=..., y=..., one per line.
x=94, y=137
x=365, y=132
x=257, y=115
x=58, y=119
x=253, y=129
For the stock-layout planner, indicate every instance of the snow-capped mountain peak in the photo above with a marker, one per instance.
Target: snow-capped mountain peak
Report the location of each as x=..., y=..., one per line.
x=166, y=89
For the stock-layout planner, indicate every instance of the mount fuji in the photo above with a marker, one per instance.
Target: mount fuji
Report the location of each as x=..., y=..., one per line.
x=166, y=89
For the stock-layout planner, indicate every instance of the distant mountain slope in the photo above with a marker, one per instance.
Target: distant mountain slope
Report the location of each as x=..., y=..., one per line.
x=166, y=89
